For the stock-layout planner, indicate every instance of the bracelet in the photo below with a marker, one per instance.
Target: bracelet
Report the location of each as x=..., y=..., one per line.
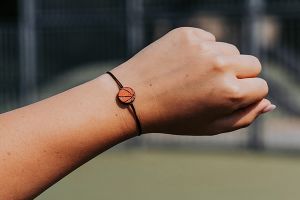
x=126, y=96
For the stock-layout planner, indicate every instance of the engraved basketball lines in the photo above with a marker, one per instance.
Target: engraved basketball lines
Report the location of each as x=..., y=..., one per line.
x=126, y=95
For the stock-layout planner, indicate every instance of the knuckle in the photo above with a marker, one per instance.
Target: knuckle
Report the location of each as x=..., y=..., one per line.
x=234, y=48
x=212, y=36
x=235, y=95
x=205, y=34
x=181, y=30
x=209, y=35
x=185, y=35
x=202, y=34
x=219, y=62
x=204, y=46
x=193, y=33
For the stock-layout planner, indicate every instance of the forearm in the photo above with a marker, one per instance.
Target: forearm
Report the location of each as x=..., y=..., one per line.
x=41, y=143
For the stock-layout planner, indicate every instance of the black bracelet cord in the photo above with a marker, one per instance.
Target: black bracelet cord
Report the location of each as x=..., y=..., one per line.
x=138, y=123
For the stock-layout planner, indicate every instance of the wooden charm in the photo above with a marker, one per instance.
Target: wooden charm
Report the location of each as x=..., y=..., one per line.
x=126, y=95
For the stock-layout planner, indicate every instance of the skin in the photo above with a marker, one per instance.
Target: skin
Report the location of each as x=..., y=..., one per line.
x=186, y=83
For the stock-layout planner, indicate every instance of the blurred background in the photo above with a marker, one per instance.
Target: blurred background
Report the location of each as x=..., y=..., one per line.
x=48, y=46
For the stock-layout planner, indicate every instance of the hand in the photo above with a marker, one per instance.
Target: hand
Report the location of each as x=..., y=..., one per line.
x=187, y=83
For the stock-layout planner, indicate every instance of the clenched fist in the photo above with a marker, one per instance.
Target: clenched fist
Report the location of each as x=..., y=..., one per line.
x=187, y=83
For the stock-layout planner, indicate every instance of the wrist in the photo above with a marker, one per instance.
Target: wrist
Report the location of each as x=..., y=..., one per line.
x=146, y=102
x=122, y=121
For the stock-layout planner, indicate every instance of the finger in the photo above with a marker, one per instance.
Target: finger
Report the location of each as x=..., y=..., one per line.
x=244, y=117
x=244, y=66
x=226, y=48
x=251, y=90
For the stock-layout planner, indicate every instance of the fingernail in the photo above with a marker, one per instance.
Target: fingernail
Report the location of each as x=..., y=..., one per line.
x=269, y=108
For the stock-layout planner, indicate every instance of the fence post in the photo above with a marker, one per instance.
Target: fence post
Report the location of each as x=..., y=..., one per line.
x=134, y=25
x=27, y=48
x=255, y=12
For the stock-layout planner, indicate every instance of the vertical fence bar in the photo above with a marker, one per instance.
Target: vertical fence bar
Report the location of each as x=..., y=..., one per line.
x=255, y=12
x=135, y=25
x=28, y=53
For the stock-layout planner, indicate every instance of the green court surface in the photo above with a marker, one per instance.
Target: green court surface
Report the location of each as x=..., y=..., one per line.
x=178, y=175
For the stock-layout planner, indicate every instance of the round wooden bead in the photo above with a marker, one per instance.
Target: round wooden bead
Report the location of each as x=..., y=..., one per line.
x=126, y=95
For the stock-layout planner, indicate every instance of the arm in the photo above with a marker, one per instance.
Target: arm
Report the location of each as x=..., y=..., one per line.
x=186, y=83
x=43, y=142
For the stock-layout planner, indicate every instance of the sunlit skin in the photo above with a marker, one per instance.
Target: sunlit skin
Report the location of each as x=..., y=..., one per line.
x=186, y=83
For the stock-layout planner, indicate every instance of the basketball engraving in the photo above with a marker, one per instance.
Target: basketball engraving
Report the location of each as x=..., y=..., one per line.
x=126, y=95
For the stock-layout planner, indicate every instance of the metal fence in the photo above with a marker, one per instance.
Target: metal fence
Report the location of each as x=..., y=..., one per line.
x=9, y=66
x=56, y=40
